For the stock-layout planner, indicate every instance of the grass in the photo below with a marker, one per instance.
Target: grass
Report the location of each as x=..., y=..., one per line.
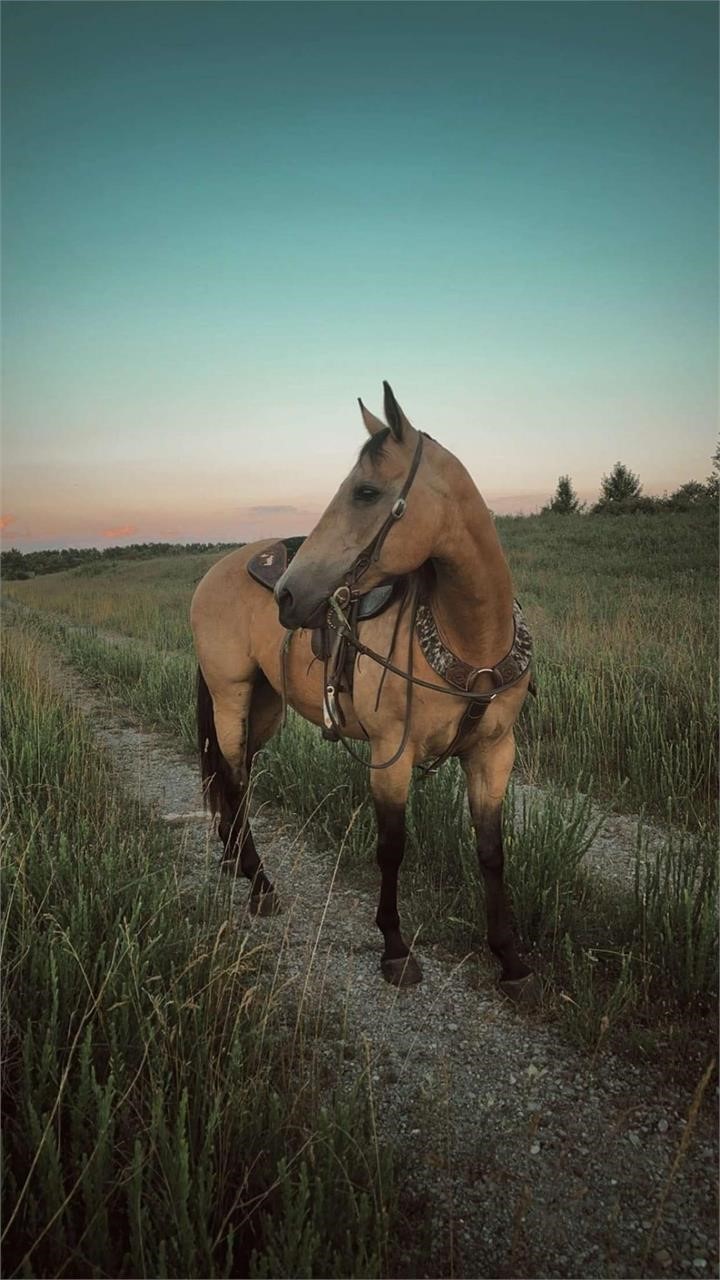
x=159, y=1117
x=629, y=969
x=625, y=622
x=624, y=617
x=623, y=612
x=636, y=969
x=147, y=599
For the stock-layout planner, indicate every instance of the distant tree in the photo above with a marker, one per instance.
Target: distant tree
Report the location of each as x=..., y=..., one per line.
x=712, y=484
x=12, y=564
x=18, y=564
x=621, y=484
x=565, y=500
x=620, y=494
x=690, y=494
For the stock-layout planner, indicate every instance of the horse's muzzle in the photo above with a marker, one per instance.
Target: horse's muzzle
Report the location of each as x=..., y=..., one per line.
x=298, y=613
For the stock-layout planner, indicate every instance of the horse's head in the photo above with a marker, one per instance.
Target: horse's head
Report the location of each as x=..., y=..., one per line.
x=388, y=506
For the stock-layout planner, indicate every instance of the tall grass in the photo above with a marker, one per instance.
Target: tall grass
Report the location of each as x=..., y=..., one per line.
x=644, y=957
x=147, y=599
x=626, y=967
x=159, y=1118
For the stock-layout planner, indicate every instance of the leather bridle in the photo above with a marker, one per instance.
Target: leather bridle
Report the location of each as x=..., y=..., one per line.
x=343, y=602
x=371, y=553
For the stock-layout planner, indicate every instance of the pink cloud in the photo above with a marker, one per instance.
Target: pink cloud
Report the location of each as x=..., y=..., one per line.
x=120, y=531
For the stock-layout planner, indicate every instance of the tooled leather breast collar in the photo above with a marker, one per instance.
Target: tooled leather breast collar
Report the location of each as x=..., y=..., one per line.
x=461, y=674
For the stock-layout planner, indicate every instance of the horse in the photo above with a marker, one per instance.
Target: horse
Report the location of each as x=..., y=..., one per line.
x=443, y=670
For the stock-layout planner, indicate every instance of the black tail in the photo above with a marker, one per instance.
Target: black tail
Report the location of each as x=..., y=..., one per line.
x=217, y=783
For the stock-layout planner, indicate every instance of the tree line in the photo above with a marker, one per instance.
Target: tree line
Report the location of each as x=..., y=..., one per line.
x=16, y=564
x=621, y=494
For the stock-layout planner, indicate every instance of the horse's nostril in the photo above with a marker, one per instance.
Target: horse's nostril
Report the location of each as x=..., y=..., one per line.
x=285, y=605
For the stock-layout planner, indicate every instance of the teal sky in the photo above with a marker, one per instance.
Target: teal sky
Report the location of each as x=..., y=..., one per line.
x=223, y=222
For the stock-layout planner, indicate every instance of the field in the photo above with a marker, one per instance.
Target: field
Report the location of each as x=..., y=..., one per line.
x=623, y=613
x=104, y=1130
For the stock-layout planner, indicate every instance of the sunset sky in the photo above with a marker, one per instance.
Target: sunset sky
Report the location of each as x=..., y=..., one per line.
x=225, y=221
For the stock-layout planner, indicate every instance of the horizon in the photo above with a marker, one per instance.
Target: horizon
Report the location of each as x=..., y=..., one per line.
x=287, y=521
x=223, y=223
x=130, y=538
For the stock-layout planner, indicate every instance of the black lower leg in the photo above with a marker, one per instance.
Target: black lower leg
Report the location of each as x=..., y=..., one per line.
x=390, y=849
x=500, y=932
x=238, y=844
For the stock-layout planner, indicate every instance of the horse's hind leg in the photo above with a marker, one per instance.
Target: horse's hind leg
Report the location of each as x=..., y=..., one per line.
x=487, y=770
x=244, y=719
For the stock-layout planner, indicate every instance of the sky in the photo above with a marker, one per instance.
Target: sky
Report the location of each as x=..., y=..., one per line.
x=224, y=222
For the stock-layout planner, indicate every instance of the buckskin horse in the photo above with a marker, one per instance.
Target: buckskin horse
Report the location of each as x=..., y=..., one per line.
x=394, y=622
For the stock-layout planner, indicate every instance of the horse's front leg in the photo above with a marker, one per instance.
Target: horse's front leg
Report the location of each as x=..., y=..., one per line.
x=389, y=791
x=487, y=770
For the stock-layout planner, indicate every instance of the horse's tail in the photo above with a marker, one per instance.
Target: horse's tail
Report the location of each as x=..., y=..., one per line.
x=214, y=768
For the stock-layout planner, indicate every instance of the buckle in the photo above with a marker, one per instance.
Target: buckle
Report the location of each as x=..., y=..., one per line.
x=398, y=508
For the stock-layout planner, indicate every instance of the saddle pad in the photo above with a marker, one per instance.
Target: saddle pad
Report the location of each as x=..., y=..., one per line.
x=268, y=566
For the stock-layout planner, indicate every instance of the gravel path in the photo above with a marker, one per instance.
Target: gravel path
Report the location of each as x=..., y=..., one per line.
x=526, y=1160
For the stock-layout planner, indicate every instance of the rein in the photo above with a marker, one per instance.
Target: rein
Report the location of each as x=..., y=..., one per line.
x=466, y=694
x=330, y=696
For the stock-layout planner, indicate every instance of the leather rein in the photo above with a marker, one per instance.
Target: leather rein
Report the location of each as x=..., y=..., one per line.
x=340, y=619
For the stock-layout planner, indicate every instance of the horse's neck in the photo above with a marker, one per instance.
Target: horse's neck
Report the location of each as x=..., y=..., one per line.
x=472, y=598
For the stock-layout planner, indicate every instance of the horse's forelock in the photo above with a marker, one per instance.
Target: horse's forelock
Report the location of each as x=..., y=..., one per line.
x=374, y=447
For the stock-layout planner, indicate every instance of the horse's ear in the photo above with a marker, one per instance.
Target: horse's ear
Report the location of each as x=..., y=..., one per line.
x=372, y=423
x=398, y=423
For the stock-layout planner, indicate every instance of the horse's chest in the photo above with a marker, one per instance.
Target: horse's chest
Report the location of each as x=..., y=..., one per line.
x=448, y=732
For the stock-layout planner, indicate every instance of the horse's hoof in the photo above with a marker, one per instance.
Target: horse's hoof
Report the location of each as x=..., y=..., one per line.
x=402, y=972
x=525, y=991
x=265, y=904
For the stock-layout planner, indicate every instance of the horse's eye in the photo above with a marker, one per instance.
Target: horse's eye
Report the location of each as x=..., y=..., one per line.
x=366, y=493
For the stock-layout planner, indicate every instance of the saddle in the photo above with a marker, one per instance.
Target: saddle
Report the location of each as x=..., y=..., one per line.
x=268, y=566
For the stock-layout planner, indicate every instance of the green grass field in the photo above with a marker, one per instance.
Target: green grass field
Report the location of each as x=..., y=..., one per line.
x=139, y=1092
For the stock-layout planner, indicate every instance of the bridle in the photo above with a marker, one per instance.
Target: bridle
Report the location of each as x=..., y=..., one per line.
x=371, y=554
x=342, y=619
